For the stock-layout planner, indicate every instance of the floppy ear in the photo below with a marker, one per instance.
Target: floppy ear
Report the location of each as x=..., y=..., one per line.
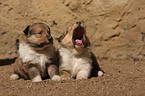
x=26, y=31
x=69, y=29
x=61, y=37
x=87, y=42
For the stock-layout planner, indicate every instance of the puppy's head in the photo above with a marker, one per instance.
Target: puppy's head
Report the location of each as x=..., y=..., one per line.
x=76, y=36
x=38, y=35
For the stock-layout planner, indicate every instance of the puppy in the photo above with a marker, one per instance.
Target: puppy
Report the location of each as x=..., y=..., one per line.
x=76, y=58
x=37, y=58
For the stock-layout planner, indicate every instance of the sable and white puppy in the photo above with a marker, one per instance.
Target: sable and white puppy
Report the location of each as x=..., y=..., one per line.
x=37, y=57
x=75, y=56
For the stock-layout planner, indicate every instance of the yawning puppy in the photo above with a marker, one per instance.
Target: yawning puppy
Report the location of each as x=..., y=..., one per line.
x=37, y=55
x=76, y=59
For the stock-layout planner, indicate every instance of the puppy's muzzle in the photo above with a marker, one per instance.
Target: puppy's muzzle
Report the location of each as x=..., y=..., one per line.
x=78, y=35
x=49, y=38
x=42, y=44
x=47, y=42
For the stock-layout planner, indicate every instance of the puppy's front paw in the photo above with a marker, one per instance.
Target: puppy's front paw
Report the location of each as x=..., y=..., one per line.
x=100, y=73
x=82, y=75
x=56, y=78
x=65, y=78
x=37, y=79
x=14, y=77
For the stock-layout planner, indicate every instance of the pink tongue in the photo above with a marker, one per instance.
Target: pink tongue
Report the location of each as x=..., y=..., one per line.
x=78, y=42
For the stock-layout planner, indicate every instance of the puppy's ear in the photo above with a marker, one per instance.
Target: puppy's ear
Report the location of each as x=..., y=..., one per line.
x=26, y=31
x=69, y=29
x=87, y=42
x=61, y=37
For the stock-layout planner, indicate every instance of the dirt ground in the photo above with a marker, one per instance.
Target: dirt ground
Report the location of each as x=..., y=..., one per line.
x=121, y=78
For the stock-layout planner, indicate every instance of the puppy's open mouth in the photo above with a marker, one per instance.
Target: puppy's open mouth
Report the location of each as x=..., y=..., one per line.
x=78, y=36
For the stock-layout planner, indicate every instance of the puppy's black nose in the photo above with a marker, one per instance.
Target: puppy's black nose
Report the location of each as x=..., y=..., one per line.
x=78, y=22
x=49, y=38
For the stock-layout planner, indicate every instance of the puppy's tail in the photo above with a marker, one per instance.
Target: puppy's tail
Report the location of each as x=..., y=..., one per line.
x=17, y=44
x=96, y=71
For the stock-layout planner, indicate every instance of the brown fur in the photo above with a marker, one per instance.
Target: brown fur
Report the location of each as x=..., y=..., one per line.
x=66, y=41
x=39, y=39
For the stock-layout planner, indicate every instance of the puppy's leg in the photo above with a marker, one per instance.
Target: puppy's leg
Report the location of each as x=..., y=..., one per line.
x=64, y=74
x=84, y=73
x=53, y=72
x=34, y=74
x=15, y=75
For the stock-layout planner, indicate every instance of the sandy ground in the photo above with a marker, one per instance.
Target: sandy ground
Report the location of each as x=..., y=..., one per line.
x=121, y=78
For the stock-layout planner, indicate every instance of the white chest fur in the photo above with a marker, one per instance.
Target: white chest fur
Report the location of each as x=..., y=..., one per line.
x=74, y=60
x=29, y=55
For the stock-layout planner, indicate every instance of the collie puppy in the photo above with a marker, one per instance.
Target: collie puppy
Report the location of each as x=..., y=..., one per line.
x=75, y=57
x=37, y=57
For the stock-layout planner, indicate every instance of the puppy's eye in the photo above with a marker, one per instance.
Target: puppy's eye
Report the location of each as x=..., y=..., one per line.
x=39, y=33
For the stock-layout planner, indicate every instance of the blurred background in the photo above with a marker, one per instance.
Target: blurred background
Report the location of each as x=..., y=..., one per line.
x=116, y=28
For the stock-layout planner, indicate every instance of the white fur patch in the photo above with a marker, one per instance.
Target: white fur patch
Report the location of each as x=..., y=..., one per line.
x=76, y=61
x=56, y=78
x=14, y=77
x=29, y=55
x=100, y=73
x=37, y=79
